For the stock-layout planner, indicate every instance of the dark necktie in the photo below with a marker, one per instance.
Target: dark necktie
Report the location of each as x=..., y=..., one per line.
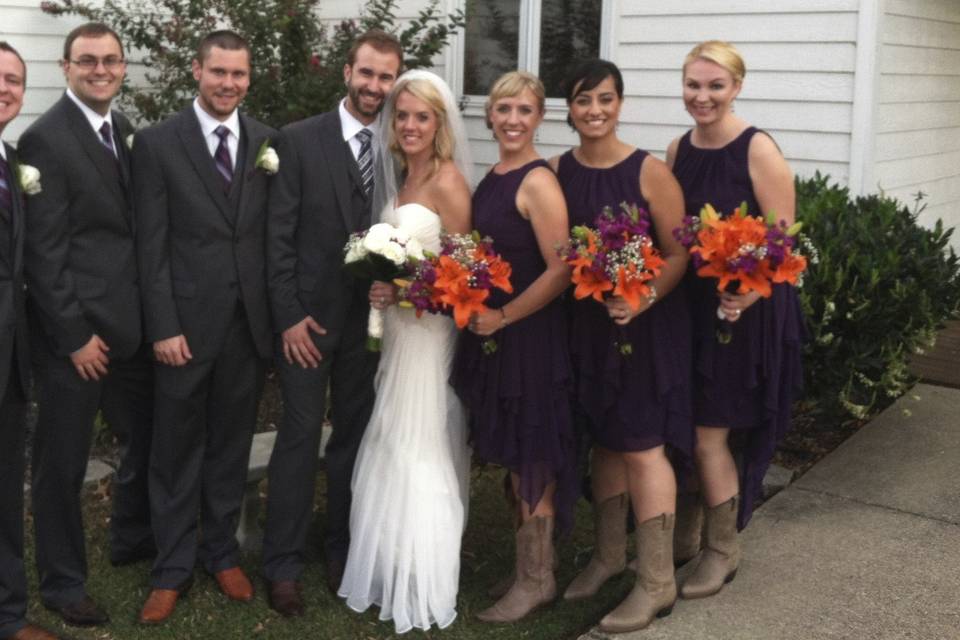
x=222, y=157
x=6, y=193
x=106, y=137
x=365, y=160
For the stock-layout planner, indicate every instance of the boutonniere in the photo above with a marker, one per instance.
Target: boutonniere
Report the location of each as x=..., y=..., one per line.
x=29, y=178
x=129, y=141
x=267, y=158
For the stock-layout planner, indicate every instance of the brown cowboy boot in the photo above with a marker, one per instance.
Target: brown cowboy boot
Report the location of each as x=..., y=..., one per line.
x=687, y=533
x=535, y=585
x=655, y=591
x=610, y=555
x=721, y=552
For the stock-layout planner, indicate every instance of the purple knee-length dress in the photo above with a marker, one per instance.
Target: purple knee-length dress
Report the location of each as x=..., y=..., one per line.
x=518, y=395
x=640, y=400
x=750, y=383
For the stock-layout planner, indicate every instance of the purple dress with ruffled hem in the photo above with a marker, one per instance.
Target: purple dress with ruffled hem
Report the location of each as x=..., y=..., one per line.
x=640, y=400
x=517, y=396
x=750, y=383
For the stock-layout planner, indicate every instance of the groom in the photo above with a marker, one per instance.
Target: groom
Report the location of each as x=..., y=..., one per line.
x=322, y=195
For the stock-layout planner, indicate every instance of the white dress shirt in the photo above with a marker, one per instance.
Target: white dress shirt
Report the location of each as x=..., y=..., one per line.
x=351, y=127
x=209, y=124
x=95, y=119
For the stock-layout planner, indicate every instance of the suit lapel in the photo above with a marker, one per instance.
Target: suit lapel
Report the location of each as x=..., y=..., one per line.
x=338, y=160
x=195, y=147
x=99, y=155
x=17, y=212
x=247, y=154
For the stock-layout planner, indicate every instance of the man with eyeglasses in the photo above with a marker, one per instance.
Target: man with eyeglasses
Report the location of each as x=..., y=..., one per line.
x=85, y=318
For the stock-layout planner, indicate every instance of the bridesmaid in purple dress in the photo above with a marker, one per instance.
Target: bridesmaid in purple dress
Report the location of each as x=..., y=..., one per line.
x=637, y=404
x=747, y=385
x=517, y=395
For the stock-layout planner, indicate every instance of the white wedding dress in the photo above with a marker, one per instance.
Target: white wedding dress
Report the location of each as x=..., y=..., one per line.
x=410, y=482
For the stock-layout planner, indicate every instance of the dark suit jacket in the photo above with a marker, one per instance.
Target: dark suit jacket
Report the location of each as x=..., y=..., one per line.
x=316, y=201
x=200, y=250
x=13, y=321
x=80, y=259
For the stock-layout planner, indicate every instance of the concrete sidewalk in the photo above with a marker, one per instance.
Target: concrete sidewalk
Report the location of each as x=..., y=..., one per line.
x=866, y=545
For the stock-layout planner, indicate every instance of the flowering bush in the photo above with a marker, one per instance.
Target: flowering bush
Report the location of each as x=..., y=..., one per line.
x=878, y=287
x=297, y=63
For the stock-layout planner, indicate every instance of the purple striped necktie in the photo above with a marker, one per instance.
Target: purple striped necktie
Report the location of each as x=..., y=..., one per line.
x=365, y=160
x=222, y=157
x=6, y=194
x=106, y=137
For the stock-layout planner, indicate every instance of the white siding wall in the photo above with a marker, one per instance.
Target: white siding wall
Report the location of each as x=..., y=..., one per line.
x=917, y=126
x=39, y=39
x=800, y=56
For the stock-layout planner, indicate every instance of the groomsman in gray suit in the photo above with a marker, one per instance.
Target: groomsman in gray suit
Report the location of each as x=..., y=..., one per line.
x=14, y=359
x=85, y=321
x=320, y=197
x=200, y=193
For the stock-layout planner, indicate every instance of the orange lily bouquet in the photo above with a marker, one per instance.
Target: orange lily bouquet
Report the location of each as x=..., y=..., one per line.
x=744, y=253
x=615, y=257
x=466, y=270
x=459, y=279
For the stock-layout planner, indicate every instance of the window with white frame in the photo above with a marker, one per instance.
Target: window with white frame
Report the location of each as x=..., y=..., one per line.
x=545, y=37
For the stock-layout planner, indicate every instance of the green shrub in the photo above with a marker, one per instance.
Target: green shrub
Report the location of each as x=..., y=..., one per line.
x=297, y=64
x=879, y=288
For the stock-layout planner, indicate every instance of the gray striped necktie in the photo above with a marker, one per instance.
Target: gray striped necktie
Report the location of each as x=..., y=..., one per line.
x=365, y=160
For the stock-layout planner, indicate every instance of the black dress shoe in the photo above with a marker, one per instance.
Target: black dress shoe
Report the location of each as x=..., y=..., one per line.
x=285, y=598
x=334, y=574
x=82, y=613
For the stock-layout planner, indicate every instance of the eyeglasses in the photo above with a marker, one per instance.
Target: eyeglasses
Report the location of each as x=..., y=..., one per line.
x=89, y=63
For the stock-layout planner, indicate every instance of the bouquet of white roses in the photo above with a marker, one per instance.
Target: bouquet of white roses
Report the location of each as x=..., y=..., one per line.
x=382, y=252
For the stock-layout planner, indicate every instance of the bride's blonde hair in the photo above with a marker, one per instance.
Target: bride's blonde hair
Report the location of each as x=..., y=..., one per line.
x=442, y=140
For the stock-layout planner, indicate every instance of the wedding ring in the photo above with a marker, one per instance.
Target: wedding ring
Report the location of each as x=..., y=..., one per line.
x=382, y=300
x=736, y=312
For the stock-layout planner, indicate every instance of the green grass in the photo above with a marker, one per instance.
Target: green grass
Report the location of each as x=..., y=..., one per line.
x=205, y=613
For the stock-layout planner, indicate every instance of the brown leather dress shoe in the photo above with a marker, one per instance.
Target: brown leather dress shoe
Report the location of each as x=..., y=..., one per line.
x=285, y=598
x=159, y=606
x=82, y=613
x=33, y=632
x=235, y=584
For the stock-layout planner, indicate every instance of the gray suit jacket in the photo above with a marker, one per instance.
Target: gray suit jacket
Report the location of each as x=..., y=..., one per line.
x=80, y=257
x=199, y=248
x=316, y=201
x=13, y=321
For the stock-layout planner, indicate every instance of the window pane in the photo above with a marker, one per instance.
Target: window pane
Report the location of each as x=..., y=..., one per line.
x=569, y=33
x=491, y=42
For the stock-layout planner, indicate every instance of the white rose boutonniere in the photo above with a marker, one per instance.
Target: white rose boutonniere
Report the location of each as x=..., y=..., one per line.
x=267, y=158
x=29, y=179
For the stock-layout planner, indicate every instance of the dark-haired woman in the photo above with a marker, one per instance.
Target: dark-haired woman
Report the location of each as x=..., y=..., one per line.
x=746, y=385
x=638, y=403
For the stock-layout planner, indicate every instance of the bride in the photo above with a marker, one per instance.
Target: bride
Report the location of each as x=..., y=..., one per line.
x=410, y=480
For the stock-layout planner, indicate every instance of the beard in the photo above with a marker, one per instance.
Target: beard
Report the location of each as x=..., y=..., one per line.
x=353, y=94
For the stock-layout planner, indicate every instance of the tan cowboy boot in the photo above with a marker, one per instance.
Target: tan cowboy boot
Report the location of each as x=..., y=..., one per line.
x=610, y=555
x=535, y=585
x=721, y=553
x=687, y=534
x=655, y=591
